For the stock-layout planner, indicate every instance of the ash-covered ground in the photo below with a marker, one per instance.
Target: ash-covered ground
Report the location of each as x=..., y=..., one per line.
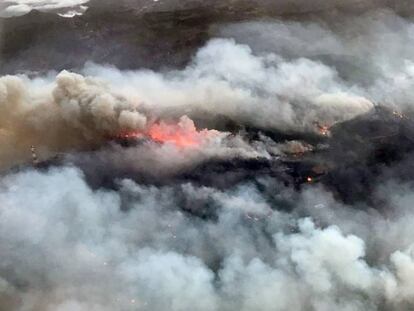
x=206, y=156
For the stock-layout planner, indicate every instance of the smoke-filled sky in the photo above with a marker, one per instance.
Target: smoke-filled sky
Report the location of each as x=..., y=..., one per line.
x=270, y=170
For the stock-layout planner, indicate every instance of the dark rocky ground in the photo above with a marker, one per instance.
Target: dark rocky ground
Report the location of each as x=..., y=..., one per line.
x=140, y=33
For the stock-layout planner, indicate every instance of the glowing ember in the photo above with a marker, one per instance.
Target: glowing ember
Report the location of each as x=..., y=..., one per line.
x=182, y=134
x=324, y=130
x=309, y=179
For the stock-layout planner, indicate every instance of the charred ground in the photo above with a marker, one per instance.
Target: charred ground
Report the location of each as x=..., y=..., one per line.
x=351, y=162
x=143, y=34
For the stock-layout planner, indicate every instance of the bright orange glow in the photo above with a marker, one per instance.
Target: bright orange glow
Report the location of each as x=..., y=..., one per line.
x=130, y=135
x=324, y=130
x=309, y=179
x=181, y=134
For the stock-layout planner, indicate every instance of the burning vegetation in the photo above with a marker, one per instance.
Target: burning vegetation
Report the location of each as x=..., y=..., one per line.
x=181, y=134
x=222, y=159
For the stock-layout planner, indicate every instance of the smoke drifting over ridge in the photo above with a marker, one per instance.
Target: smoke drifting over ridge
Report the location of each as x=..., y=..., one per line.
x=263, y=92
x=272, y=170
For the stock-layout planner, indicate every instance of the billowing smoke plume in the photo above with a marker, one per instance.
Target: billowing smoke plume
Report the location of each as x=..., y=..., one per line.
x=225, y=79
x=66, y=247
x=273, y=171
x=69, y=113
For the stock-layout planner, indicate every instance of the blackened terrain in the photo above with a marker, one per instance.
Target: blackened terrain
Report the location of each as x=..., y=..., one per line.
x=140, y=34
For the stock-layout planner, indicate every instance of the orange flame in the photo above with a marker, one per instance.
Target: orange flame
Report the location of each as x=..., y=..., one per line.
x=182, y=134
x=323, y=130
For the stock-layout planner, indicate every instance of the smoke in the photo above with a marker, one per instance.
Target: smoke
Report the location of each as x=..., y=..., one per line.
x=232, y=183
x=69, y=110
x=370, y=52
x=72, y=111
x=20, y=7
x=67, y=247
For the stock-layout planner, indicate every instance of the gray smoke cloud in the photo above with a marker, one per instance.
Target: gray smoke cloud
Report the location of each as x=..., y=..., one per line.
x=370, y=52
x=68, y=113
x=67, y=247
x=260, y=245
x=225, y=79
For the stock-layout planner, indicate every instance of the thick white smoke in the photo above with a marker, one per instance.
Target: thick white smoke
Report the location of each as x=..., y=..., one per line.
x=70, y=8
x=371, y=52
x=225, y=79
x=66, y=247
x=269, y=75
